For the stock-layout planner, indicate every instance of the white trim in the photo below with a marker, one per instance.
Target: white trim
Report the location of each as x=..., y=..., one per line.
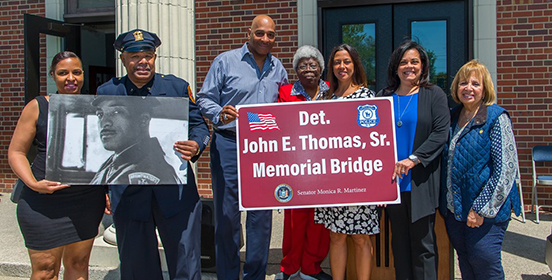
x=307, y=23
x=484, y=34
x=54, y=10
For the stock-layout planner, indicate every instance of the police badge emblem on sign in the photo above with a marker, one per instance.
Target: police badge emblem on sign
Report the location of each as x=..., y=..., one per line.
x=367, y=115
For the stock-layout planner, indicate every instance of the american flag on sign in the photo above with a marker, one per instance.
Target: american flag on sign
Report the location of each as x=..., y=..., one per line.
x=262, y=121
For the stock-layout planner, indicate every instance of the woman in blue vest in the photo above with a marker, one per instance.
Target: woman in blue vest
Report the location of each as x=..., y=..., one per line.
x=479, y=170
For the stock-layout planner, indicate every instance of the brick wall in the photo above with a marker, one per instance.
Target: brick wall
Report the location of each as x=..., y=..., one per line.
x=12, y=75
x=524, y=45
x=222, y=26
x=524, y=31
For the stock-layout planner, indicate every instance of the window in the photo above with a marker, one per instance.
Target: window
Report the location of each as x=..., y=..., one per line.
x=432, y=35
x=362, y=37
x=89, y=11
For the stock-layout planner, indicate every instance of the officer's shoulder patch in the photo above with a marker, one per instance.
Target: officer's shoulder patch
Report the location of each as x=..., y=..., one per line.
x=142, y=178
x=191, y=95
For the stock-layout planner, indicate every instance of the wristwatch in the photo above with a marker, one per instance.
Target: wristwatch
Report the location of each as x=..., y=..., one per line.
x=414, y=159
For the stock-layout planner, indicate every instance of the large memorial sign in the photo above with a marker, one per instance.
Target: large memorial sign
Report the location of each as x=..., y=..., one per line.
x=310, y=154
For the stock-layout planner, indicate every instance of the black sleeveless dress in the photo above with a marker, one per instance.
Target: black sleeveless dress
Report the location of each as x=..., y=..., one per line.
x=69, y=215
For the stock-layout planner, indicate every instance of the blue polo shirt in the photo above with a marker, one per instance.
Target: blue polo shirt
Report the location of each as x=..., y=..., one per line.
x=234, y=78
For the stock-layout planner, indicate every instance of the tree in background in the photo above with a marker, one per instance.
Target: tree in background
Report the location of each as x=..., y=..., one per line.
x=440, y=78
x=357, y=37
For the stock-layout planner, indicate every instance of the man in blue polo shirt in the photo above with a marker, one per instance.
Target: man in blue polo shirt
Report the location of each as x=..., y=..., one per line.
x=248, y=75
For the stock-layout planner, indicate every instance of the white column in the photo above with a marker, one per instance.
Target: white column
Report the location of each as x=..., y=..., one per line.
x=307, y=23
x=54, y=10
x=484, y=34
x=173, y=21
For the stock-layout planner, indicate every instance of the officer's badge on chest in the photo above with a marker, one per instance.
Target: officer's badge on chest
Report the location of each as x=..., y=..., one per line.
x=142, y=178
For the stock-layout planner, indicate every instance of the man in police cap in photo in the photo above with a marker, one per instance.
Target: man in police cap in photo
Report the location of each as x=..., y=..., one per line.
x=138, y=159
x=175, y=210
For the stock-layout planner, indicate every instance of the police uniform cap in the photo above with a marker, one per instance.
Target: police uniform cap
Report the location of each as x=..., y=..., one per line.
x=138, y=103
x=137, y=40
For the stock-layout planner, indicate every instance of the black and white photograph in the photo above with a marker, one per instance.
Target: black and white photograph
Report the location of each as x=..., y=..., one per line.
x=116, y=140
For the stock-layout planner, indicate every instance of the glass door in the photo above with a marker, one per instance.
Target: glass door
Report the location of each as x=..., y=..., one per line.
x=33, y=27
x=367, y=29
x=375, y=31
x=92, y=42
x=442, y=29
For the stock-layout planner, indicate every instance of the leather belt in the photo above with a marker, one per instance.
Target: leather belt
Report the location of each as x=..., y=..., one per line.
x=225, y=132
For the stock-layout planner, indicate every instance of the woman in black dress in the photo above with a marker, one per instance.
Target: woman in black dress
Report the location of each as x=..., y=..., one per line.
x=58, y=221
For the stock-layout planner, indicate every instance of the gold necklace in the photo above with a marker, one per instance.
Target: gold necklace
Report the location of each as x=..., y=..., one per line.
x=354, y=87
x=468, y=120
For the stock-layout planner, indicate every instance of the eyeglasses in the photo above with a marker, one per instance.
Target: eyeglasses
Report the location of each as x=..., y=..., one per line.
x=260, y=34
x=312, y=66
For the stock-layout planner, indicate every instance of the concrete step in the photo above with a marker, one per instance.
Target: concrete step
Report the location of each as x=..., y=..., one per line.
x=104, y=259
x=23, y=270
x=14, y=258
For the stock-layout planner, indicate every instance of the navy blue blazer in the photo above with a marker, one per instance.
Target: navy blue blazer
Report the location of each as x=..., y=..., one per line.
x=172, y=199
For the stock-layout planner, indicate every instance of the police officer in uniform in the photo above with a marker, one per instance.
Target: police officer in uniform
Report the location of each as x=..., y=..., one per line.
x=175, y=210
x=138, y=158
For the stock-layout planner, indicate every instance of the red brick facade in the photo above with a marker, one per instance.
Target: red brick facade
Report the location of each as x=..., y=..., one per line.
x=222, y=26
x=524, y=82
x=12, y=75
x=524, y=55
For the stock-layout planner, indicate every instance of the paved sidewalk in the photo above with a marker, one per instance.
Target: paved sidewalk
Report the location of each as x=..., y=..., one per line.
x=523, y=250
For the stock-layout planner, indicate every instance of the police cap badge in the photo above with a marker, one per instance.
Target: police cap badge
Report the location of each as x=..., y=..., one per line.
x=137, y=40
